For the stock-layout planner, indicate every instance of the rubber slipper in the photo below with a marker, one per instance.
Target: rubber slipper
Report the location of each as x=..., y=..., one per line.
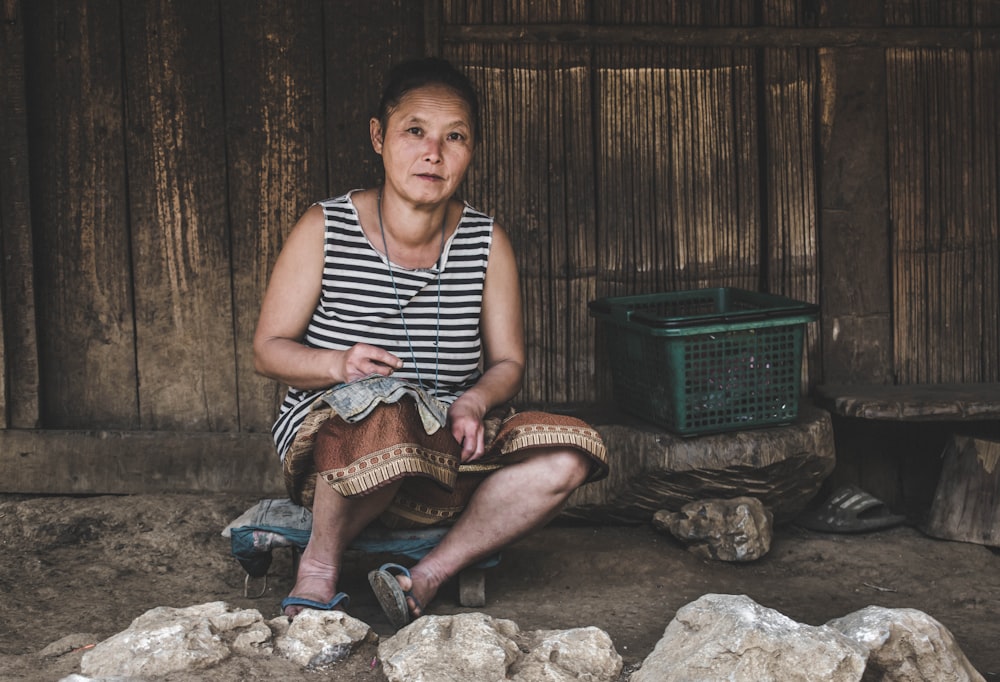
x=850, y=510
x=391, y=595
x=338, y=599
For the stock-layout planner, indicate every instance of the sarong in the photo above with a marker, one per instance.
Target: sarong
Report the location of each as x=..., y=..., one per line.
x=391, y=442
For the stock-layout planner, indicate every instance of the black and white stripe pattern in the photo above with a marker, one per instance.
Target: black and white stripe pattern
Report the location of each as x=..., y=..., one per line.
x=359, y=304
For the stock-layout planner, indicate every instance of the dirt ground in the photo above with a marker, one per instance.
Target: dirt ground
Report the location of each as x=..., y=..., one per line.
x=87, y=566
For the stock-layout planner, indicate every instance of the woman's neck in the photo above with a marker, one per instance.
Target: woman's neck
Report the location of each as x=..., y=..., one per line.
x=410, y=236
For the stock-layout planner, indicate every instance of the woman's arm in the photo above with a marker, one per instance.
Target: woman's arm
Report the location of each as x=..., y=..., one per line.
x=289, y=302
x=502, y=329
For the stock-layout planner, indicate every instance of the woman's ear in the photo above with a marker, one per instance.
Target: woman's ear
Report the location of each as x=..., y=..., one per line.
x=375, y=130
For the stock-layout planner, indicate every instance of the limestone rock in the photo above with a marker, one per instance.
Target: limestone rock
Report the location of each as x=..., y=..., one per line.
x=474, y=646
x=738, y=529
x=733, y=638
x=165, y=640
x=319, y=638
x=578, y=654
x=906, y=645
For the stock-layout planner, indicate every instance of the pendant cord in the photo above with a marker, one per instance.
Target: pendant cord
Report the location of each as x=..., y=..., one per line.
x=439, y=268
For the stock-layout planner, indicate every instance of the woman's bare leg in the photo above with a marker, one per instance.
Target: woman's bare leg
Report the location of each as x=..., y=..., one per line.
x=337, y=520
x=508, y=505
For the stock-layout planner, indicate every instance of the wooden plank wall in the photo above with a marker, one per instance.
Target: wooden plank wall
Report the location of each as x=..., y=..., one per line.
x=174, y=145
x=155, y=154
x=18, y=408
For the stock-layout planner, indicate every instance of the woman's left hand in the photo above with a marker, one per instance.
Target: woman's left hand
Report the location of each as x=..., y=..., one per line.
x=465, y=417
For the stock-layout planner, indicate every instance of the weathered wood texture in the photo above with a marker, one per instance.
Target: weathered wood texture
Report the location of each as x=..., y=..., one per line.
x=966, y=503
x=83, y=269
x=653, y=470
x=926, y=402
x=19, y=406
x=275, y=137
x=181, y=250
x=854, y=218
x=61, y=462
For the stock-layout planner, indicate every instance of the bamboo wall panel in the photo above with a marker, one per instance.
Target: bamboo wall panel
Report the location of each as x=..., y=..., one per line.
x=83, y=286
x=985, y=209
x=514, y=11
x=691, y=218
x=18, y=341
x=534, y=172
x=944, y=195
x=185, y=349
x=707, y=13
x=945, y=247
x=790, y=182
x=274, y=142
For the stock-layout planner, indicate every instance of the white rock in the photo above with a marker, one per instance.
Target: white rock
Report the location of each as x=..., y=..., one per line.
x=474, y=646
x=316, y=638
x=165, y=640
x=467, y=646
x=733, y=638
x=563, y=655
x=906, y=645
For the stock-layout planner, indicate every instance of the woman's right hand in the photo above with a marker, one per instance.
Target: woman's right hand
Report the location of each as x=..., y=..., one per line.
x=362, y=359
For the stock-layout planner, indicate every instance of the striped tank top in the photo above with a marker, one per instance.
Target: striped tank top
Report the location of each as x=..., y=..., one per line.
x=429, y=319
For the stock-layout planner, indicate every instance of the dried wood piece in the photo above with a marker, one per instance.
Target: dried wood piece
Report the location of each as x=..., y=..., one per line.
x=966, y=505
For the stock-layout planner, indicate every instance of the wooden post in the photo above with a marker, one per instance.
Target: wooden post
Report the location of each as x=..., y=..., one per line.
x=854, y=219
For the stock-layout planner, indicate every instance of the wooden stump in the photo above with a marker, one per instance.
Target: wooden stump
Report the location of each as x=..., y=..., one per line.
x=966, y=504
x=651, y=469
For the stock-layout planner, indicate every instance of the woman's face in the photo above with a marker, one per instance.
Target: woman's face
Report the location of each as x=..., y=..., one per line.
x=427, y=144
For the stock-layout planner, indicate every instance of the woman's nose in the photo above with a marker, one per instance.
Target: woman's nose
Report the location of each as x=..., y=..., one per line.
x=432, y=151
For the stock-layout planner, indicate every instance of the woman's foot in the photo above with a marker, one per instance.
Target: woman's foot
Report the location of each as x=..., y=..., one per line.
x=315, y=582
x=418, y=589
x=401, y=592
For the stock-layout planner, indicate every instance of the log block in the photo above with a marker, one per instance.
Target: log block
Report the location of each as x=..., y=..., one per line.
x=652, y=469
x=966, y=504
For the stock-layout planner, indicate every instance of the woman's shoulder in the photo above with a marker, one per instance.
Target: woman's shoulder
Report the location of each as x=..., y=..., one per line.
x=344, y=200
x=471, y=213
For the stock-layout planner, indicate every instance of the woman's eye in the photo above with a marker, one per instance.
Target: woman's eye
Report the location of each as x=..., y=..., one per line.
x=414, y=130
x=456, y=137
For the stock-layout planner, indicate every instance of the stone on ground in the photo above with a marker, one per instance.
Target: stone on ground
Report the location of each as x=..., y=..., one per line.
x=738, y=529
x=906, y=645
x=733, y=638
x=474, y=646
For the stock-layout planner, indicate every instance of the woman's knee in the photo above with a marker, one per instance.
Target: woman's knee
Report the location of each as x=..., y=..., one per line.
x=567, y=468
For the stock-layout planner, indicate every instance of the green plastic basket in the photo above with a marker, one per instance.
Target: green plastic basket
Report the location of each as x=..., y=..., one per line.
x=707, y=360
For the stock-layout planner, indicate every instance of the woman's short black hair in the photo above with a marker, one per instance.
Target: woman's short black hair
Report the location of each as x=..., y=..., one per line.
x=417, y=73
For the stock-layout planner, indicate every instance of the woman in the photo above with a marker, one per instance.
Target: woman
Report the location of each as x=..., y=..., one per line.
x=394, y=316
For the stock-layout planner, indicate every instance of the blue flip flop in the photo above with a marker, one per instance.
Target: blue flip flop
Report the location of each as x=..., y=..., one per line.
x=390, y=594
x=338, y=599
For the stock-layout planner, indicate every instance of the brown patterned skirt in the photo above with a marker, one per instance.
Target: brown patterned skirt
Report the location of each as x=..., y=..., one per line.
x=391, y=444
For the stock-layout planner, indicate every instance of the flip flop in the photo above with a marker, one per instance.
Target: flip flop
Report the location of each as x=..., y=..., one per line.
x=391, y=595
x=338, y=599
x=850, y=510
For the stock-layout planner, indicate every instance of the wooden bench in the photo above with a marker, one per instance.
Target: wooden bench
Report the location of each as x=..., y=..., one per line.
x=924, y=402
x=890, y=439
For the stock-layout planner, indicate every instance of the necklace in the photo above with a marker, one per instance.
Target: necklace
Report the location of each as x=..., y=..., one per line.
x=437, y=268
